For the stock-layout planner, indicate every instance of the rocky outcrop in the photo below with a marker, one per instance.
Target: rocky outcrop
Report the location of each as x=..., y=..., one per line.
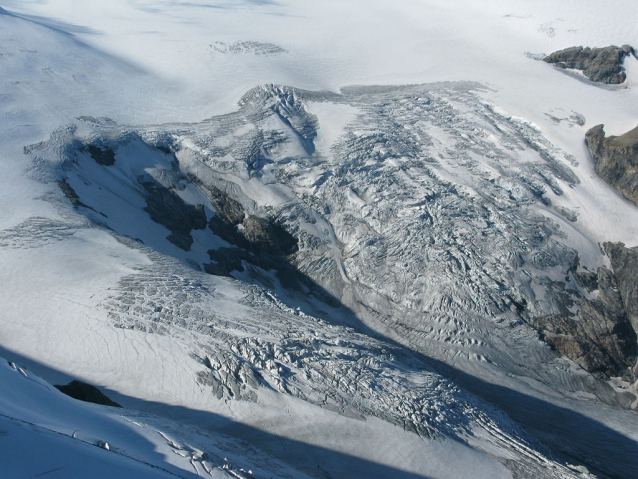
x=261, y=242
x=70, y=193
x=102, y=155
x=601, y=334
x=86, y=392
x=624, y=262
x=616, y=159
x=599, y=337
x=602, y=65
x=260, y=234
x=169, y=210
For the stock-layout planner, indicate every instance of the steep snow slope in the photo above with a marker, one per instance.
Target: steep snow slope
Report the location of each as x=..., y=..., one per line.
x=43, y=432
x=99, y=306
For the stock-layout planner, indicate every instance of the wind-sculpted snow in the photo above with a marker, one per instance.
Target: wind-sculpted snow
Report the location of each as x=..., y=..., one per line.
x=247, y=47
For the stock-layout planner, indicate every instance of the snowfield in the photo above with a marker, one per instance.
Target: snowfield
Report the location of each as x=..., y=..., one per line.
x=45, y=432
x=297, y=238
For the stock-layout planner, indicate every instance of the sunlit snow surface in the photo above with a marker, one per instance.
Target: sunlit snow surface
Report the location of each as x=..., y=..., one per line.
x=366, y=178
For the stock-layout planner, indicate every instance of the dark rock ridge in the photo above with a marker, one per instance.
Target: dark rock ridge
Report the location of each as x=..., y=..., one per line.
x=616, y=159
x=102, y=155
x=169, y=210
x=261, y=242
x=257, y=244
x=86, y=392
x=602, y=65
x=624, y=262
x=70, y=193
x=599, y=336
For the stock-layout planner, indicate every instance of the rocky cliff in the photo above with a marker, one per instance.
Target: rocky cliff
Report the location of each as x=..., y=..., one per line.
x=616, y=159
x=596, y=332
x=624, y=262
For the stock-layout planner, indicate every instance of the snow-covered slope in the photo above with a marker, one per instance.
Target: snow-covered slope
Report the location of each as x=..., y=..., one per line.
x=43, y=432
x=422, y=218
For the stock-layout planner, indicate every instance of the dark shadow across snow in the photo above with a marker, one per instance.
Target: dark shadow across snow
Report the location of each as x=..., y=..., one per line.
x=316, y=461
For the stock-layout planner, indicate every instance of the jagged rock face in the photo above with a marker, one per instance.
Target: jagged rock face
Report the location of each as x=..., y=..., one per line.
x=616, y=159
x=624, y=262
x=257, y=235
x=168, y=209
x=602, y=65
x=262, y=235
x=261, y=245
x=102, y=155
x=599, y=337
x=258, y=241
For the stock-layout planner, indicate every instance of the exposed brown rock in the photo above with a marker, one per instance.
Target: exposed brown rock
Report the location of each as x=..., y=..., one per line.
x=624, y=262
x=602, y=335
x=602, y=65
x=599, y=337
x=616, y=159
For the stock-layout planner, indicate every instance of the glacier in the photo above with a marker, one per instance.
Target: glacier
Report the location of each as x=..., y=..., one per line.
x=327, y=280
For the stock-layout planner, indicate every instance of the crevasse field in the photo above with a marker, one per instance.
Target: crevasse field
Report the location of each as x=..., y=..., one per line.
x=307, y=253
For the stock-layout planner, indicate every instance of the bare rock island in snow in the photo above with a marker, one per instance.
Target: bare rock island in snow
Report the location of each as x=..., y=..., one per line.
x=602, y=65
x=86, y=392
